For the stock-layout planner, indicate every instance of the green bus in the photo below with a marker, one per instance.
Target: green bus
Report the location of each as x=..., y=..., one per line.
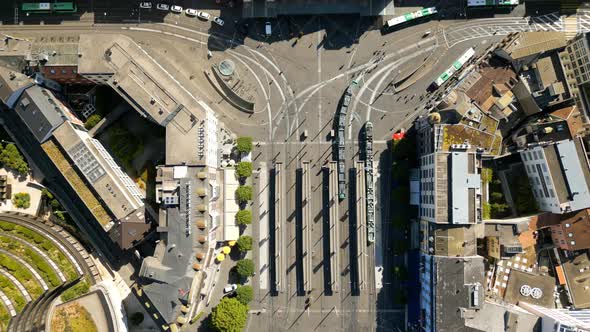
x=49, y=7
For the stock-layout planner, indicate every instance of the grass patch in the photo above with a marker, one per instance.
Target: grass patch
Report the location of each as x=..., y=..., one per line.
x=79, y=289
x=45, y=244
x=21, y=274
x=13, y=293
x=4, y=318
x=76, y=182
x=72, y=317
x=32, y=258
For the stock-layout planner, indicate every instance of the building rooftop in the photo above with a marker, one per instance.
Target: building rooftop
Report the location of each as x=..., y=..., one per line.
x=577, y=224
x=531, y=43
x=459, y=292
x=577, y=274
x=517, y=279
x=56, y=50
x=453, y=241
x=188, y=219
x=118, y=192
x=11, y=81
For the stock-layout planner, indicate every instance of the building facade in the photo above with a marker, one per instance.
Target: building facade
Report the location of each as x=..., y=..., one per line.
x=578, y=67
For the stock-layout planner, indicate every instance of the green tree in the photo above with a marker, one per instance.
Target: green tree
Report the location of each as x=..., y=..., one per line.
x=46, y=193
x=245, y=267
x=244, y=169
x=22, y=200
x=244, y=193
x=60, y=215
x=245, y=294
x=244, y=217
x=230, y=315
x=486, y=175
x=487, y=211
x=55, y=204
x=92, y=121
x=244, y=144
x=245, y=243
x=12, y=158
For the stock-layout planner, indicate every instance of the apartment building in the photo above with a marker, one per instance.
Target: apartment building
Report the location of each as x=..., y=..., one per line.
x=559, y=175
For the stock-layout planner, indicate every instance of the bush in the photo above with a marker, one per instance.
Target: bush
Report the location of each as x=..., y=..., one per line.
x=245, y=243
x=244, y=144
x=244, y=217
x=486, y=175
x=245, y=294
x=136, y=318
x=22, y=200
x=46, y=193
x=244, y=169
x=230, y=315
x=92, y=121
x=245, y=268
x=12, y=158
x=244, y=194
x=76, y=291
x=487, y=211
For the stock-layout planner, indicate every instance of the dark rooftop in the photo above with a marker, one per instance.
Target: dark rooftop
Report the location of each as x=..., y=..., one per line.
x=577, y=274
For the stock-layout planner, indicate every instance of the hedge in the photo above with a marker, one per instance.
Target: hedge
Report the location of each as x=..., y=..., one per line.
x=47, y=245
x=21, y=274
x=12, y=292
x=76, y=291
x=32, y=258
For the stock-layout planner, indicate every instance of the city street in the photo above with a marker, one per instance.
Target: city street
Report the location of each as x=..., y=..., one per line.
x=309, y=277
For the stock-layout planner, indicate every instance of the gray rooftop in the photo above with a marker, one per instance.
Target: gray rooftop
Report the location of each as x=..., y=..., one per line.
x=464, y=184
x=575, y=168
x=41, y=112
x=184, y=226
x=459, y=291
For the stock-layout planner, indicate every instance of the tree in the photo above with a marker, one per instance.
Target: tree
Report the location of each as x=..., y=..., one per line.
x=136, y=318
x=230, y=315
x=12, y=158
x=245, y=294
x=22, y=200
x=55, y=204
x=244, y=144
x=92, y=121
x=245, y=243
x=244, y=217
x=244, y=193
x=244, y=169
x=245, y=267
x=46, y=193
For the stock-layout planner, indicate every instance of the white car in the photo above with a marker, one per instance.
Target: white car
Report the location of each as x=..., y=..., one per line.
x=204, y=15
x=191, y=12
x=218, y=21
x=176, y=9
x=230, y=288
x=145, y=5
x=163, y=6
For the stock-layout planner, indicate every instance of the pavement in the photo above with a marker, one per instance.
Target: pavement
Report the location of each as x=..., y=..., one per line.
x=298, y=83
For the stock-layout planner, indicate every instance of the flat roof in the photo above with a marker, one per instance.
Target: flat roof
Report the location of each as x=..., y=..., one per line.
x=111, y=184
x=231, y=230
x=517, y=279
x=463, y=184
x=575, y=166
x=56, y=50
x=578, y=279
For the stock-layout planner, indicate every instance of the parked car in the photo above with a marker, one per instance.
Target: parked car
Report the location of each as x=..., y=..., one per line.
x=230, y=288
x=145, y=5
x=191, y=12
x=176, y=9
x=268, y=28
x=218, y=21
x=204, y=15
x=163, y=6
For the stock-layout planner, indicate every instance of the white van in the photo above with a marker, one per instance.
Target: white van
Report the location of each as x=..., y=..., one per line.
x=268, y=28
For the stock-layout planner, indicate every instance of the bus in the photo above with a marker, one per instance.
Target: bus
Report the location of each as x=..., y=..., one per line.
x=409, y=17
x=49, y=7
x=491, y=3
x=454, y=68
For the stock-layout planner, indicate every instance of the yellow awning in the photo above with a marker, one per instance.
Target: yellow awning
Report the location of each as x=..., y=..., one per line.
x=231, y=243
x=226, y=250
x=220, y=257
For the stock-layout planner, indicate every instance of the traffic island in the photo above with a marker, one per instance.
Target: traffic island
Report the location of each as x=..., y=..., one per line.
x=228, y=83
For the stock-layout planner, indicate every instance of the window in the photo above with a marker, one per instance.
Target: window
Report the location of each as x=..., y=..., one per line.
x=544, y=167
x=552, y=193
x=538, y=181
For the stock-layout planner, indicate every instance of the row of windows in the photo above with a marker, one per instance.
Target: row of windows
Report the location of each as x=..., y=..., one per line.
x=532, y=155
x=63, y=71
x=427, y=212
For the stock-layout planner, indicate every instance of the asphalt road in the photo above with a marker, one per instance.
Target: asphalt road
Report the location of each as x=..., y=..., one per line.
x=297, y=83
